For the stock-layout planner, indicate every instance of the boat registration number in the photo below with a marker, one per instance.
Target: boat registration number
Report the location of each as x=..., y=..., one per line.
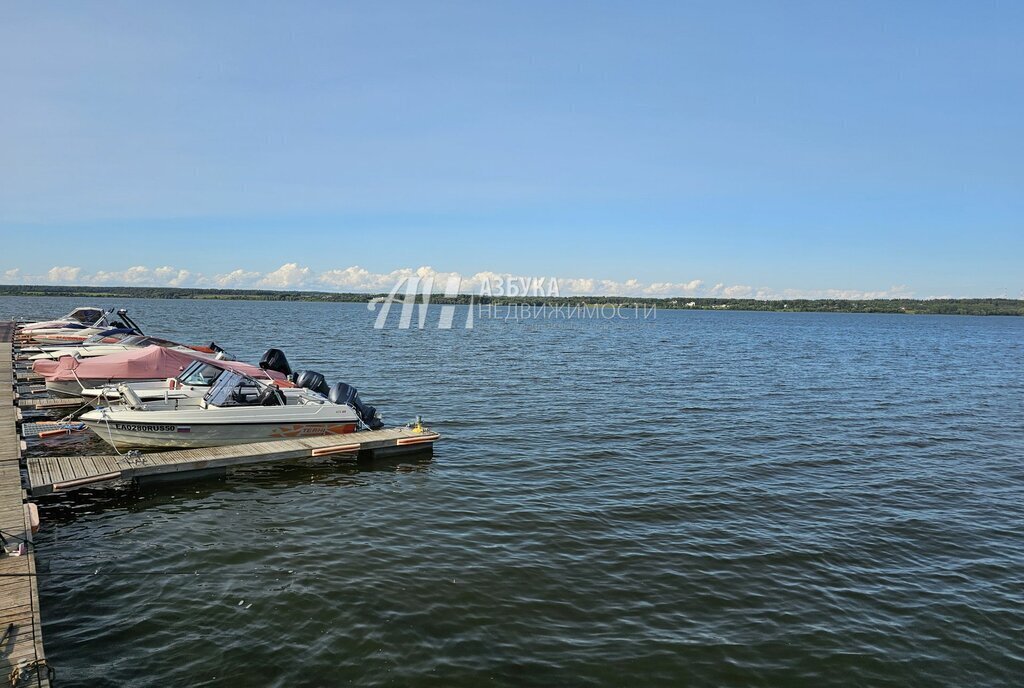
x=136, y=427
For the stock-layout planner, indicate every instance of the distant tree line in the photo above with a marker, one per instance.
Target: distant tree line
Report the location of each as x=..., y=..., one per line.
x=900, y=306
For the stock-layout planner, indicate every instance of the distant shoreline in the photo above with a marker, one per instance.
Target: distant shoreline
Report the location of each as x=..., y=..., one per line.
x=991, y=306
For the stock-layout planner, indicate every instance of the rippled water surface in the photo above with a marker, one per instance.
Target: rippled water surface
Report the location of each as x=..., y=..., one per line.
x=703, y=498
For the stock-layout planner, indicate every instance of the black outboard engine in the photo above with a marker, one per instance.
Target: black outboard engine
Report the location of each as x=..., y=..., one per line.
x=274, y=360
x=313, y=381
x=212, y=346
x=342, y=393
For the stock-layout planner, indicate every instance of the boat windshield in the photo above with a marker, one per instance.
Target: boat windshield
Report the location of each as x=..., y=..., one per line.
x=86, y=316
x=146, y=340
x=200, y=374
x=233, y=389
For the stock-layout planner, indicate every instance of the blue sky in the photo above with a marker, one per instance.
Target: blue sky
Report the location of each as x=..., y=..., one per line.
x=694, y=148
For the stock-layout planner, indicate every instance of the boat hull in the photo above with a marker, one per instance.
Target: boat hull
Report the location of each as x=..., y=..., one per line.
x=130, y=435
x=64, y=388
x=68, y=337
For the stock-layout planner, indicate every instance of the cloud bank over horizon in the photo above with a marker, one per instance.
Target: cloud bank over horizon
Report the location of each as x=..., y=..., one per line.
x=295, y=277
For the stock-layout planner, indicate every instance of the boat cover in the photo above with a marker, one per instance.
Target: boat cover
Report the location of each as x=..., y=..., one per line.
x=149, y=363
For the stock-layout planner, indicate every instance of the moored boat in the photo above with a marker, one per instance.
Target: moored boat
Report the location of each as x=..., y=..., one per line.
x=83, y=315
x=69, y=375
x=194, y=381
x=111, y=336
x=237, y=409
x=75, y=327
x=106, y=343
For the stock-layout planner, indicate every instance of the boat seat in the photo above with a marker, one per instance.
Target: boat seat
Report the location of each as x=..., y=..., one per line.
x=241, y=397
x=271, y=396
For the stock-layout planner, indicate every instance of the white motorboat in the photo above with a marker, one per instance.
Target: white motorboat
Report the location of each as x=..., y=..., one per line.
x=104, y=344
x=83, y=315
x=237, y=409
x=193, y=382
x=75, y=331
x=111, y=336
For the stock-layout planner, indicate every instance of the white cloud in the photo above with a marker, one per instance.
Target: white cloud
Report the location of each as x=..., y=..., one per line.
x=288, y=276
x=172, y=277
x=690, y=288
x=356, y=278
x=735, y=291
x=140, y=276
x=739, y=291
x=135, y=276
x=899, y=291
x=63, y=274
x=236, y=279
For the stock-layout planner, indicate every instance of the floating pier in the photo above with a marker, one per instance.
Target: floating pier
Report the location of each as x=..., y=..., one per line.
x=22, y=660
x=55, y=473
x=48, y=403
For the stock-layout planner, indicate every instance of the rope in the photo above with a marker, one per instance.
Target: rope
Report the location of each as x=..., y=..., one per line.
x=12, y=535
x=77, y=379
x=71, y=416
x=110, y=433
x=19, y=673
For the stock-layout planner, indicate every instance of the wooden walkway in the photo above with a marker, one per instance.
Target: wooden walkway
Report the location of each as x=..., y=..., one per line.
x=47, y=403
x=20, y=625
x=55, y=473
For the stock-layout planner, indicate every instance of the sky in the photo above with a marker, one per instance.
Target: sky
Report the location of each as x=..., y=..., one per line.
x=749, y=149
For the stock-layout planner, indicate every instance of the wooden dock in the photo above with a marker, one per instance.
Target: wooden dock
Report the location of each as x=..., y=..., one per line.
x=55, y=473
x=21, y=646
x=22, y=660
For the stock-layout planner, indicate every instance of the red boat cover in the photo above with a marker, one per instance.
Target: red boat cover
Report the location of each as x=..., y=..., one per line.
x=149, y=363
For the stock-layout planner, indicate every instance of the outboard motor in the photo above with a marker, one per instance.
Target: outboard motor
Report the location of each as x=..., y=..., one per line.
x=313, y=381
x=131, y=323
x=274, y=360
x=216, y=349
x=342, y=393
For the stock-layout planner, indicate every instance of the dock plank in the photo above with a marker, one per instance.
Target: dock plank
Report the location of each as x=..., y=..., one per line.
x=46, y=403
x=19, y=595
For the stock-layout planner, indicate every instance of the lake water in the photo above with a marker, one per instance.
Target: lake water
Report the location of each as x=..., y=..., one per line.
x=699, y=498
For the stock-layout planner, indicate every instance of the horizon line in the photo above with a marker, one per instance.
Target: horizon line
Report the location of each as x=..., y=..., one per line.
x=9, y=289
